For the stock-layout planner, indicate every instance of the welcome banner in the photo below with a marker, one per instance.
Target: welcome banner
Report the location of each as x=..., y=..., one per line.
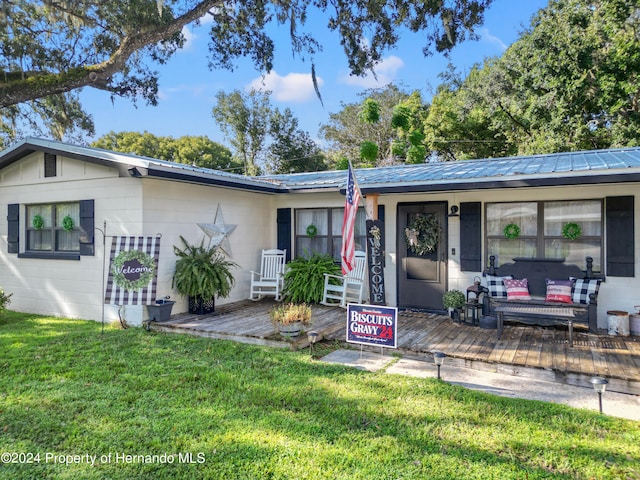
x=133, y=271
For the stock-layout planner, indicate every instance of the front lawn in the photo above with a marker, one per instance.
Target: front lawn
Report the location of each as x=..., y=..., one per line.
x=76, y=403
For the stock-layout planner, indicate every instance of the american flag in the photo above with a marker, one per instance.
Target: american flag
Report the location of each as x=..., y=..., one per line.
x=348, y=222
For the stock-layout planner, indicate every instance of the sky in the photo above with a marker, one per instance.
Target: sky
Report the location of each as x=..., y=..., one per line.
x=187, y=87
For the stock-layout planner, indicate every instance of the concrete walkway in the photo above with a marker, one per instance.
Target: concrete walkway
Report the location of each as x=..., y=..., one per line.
x=491, y=380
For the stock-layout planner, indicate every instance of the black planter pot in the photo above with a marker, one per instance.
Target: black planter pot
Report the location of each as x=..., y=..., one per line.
x=161, y=310
x=200, y=306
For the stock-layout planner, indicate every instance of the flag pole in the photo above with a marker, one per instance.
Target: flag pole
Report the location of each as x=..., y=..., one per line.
x=103, y=231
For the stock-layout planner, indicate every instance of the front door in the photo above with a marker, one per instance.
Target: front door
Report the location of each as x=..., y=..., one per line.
x=422, y=262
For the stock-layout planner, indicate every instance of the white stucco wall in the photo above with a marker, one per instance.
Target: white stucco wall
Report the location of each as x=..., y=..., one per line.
x=63, y=287
x=146, y=206
x=175, y=208
x=129, y=206
x=616, y=293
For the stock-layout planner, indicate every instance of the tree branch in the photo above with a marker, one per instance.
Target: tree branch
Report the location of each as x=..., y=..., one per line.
x=41, y=84
x=514, y=119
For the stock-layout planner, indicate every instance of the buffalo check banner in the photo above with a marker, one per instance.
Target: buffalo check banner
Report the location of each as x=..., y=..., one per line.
x=133, y=271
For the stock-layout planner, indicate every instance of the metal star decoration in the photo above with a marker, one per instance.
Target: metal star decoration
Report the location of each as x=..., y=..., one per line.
x=218, y=232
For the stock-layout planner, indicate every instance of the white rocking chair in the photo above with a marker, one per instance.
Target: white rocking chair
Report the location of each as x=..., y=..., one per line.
x=350, y=287
x=270, y=279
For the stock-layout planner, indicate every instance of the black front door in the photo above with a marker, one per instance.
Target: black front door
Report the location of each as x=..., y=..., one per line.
x=422, y=275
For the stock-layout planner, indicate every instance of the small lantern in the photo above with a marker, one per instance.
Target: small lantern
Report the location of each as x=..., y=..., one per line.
x=313, y=338
x=438, y=359
x=599, y=385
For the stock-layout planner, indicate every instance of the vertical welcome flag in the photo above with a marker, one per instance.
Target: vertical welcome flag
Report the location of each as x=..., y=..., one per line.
x=348, y=222
x=133, y=271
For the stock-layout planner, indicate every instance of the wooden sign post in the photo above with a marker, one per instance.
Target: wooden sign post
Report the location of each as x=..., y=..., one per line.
x=375, y=252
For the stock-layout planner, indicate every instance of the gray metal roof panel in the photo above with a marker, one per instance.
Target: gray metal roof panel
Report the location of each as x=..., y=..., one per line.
x=604, y=162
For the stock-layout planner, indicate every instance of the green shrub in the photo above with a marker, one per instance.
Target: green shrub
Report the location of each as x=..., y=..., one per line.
x=304, y=278
x=5, y=299
x=453, y=299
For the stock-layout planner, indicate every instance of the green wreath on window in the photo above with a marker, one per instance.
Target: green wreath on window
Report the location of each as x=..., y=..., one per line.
x=312, y=231
x=511, y=231
x=423, y=234
x=67, y=223
x=571, y=231
x=37, y=222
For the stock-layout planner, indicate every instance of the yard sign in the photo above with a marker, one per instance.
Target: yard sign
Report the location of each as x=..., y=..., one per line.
x=133, y=271
x=372, y=325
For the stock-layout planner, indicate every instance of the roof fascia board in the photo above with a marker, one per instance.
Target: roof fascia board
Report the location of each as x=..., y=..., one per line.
x=169, y=174
x=513, y=183
x=29, y=147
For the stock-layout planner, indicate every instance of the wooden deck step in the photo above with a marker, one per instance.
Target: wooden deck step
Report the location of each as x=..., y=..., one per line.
x=521, y=348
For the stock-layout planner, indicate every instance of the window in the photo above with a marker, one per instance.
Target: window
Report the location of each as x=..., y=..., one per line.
x=328, y=231
x=53, y=228
x=540, y=228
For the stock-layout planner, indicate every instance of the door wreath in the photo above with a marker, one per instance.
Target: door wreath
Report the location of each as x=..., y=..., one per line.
x=422, y=235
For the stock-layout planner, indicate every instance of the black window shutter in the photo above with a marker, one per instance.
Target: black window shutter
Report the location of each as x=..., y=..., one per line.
x=470, y=237
x=87, y=227
x=619, y=213
x=13, y=226
x=284, y=230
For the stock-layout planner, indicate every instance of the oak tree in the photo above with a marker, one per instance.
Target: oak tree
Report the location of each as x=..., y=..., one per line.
x=198, y=151
x=56, y=47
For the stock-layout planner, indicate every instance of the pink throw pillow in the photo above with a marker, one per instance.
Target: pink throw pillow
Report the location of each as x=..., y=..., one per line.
x=517, y=289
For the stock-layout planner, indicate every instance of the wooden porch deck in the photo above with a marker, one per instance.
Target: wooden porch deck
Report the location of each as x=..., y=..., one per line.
x=523, y=350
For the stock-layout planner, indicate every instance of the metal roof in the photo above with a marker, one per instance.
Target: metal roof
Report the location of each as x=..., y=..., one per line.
x=567, y=168
x=147, y=166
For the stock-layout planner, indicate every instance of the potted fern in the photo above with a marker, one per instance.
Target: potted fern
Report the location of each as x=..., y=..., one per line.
x=304, y=277
x=290, y=318
x=201, y=274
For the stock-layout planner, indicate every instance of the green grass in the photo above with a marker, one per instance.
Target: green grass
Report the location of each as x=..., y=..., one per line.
x=256, y=412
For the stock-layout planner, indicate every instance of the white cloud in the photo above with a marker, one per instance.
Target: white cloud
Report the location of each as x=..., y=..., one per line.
x=189, y=37
x=208, y=17
x=189, y=31
x=492, y=39
x=293, y=87
x=385, y=73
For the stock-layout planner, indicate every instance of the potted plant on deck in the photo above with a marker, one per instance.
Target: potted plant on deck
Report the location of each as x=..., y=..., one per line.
x=453, y=300
x=201, y=274
x=304, y=277
x=290, y=318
